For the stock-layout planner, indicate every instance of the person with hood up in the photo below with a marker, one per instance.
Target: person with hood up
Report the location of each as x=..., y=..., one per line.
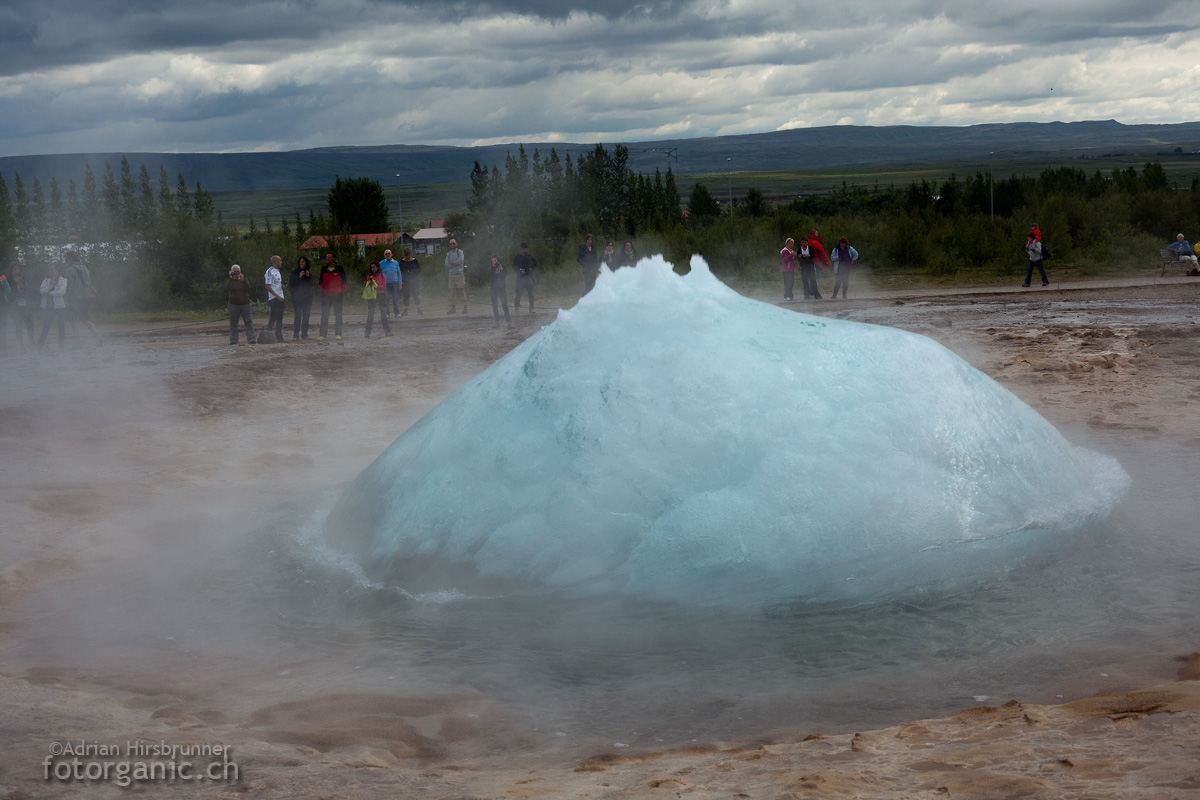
x=819, y=259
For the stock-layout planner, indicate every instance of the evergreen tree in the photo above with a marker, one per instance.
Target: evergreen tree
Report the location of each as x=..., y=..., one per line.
x=91, y=205
x=21, y=216
x=202, y=204
x=112, y=201
x=358, y=205
x=146, y=210
x=7, y=232
x=702, y=203
x=670, y=196
x=74, y=210
x=183, y=203
x=480, y=201
x=130, y=222
x=38, y=218
x=58, y=218
x=166, y=200
x=756, y=204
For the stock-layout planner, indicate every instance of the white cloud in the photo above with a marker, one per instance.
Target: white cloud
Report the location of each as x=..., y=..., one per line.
x=369, y=73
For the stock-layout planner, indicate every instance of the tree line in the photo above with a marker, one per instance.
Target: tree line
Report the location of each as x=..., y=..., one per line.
x=153, y=242
x=158, y=243
x=975, y=226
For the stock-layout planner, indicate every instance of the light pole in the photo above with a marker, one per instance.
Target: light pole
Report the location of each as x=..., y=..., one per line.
x=400, y=213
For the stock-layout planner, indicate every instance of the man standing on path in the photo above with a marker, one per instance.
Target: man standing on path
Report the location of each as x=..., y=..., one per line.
x=524, y=263
x=274, y=281
x=79, y=295
x=456, y=265
x=1034, y=248
x=589, y=262
x=240, y=306
x=390, y=268
x=499, y=290
x=410, y=276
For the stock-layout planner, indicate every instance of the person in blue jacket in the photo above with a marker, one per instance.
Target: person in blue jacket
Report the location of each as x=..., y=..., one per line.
x=390, y=268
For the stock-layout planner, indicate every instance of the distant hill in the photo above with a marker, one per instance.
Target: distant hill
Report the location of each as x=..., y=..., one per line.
x=803, y=148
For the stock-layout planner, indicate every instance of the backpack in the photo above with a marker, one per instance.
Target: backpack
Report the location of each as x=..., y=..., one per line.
x=1045, y=251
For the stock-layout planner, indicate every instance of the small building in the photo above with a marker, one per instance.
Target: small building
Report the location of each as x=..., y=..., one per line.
x=364, y=241
x=429, y=240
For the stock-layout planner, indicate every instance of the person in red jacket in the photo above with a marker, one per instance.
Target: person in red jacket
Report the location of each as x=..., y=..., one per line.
x=1035, y=232
x=819, y=256
x=332, y=285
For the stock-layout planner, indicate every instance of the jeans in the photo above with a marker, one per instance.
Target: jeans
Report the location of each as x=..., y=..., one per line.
x=246, y=314
x=808, y=278
x=789, y=280
x=22, y=316
x=500, y=296
x=333, y=301
x=842, y=279
x=524, y=284
x=382, y=302
x=59, y=314
x=411, y=287
x=589, y=279
x=275, y=321
x=1029, y=272
x=393, y=297
x=301, y=308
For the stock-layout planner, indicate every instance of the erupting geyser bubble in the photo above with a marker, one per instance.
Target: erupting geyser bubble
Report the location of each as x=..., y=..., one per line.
x=670, y=439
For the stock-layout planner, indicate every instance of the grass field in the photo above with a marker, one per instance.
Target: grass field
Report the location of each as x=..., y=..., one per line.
x=1182, y=169
x=422, y=202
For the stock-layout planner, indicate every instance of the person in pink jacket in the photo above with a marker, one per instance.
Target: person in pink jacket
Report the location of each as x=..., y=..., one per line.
x=376, y=278
x=787, y=267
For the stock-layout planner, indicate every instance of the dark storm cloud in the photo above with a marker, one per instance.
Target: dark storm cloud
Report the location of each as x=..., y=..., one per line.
x=286, y=74
x=61, y=32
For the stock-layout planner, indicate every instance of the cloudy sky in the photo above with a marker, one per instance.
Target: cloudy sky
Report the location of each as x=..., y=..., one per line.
x=214, y=75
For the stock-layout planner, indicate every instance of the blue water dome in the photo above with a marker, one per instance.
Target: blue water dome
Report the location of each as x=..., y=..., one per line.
x=670, y=439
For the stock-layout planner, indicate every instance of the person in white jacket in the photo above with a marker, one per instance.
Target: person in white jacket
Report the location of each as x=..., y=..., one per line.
x=54, y=301
x=843, y=256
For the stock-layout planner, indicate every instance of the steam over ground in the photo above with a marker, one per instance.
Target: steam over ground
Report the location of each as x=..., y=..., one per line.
x=672, y=439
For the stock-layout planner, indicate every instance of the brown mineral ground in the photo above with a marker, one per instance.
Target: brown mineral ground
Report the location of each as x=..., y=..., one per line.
x=159, y=441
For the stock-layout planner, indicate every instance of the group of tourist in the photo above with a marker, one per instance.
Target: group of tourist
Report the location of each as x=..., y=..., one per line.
x=387, y=282
x=588, y=257
x=809, y=256
x=64, y=296
x=590, y=260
